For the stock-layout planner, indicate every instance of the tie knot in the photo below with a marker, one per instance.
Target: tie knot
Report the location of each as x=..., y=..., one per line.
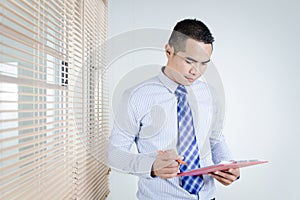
x=180, y=91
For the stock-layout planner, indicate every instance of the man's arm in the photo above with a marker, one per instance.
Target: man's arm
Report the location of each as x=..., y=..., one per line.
x=163, y=165
x=124, y=133
x=219, y=147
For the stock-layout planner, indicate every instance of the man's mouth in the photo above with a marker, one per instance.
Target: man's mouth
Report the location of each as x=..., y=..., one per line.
x=190, y=79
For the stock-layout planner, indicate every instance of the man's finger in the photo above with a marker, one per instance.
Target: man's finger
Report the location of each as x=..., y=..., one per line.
x=221, y=179
x=169, y=155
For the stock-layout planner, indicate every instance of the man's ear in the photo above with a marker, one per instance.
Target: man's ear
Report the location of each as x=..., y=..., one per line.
x=169, y=50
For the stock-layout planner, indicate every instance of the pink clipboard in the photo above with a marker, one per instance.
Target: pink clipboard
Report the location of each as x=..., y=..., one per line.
x=221, y=167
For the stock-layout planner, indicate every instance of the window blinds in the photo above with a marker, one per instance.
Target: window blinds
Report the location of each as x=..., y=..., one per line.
x=54, y=100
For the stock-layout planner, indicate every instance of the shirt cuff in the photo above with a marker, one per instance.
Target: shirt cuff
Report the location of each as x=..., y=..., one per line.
x=145, y=166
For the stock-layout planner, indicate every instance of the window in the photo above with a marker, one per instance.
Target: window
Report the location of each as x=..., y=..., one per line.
x=54, y=100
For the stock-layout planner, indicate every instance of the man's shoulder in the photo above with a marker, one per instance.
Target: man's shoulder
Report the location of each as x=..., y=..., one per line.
x=146, y=87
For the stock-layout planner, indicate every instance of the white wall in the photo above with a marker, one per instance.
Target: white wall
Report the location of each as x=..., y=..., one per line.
x=257, y=55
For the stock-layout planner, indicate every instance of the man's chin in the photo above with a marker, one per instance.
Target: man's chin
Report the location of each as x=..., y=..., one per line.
x=184, y=81
x=180, y=78
x=187, y=83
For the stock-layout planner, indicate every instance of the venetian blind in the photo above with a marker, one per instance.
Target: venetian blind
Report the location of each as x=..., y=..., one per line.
x=54, y=99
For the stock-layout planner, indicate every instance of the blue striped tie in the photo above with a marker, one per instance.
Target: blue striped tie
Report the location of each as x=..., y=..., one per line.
x=187, y=145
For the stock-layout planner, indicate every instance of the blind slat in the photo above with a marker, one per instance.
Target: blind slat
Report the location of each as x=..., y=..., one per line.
x=25, y=178
x=27, y=181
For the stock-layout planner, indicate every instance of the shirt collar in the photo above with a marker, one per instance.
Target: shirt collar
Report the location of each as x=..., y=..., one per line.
x=166, y=81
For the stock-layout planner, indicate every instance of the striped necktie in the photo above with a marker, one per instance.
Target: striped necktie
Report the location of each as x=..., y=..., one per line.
x=187, y=145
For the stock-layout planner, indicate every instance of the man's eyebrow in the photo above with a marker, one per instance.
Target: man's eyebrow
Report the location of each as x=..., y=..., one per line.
x=205, y=62
x=193, y=60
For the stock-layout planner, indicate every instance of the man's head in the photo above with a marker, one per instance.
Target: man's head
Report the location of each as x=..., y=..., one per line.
x=188, y=51
x=189, y=28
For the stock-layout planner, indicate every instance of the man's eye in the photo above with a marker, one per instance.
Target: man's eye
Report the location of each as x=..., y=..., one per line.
x=188, y=62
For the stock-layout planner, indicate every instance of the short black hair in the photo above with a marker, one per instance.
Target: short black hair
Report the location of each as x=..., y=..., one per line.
x=189, y=28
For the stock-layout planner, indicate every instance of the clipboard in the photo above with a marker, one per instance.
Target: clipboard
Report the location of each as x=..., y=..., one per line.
x=222, y=167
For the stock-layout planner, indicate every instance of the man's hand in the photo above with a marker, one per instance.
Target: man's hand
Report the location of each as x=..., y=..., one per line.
x=226, y=177
x=165, y=165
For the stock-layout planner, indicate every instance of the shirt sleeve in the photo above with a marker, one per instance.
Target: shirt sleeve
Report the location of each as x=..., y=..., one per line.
x=219, y=148
x=124, y=133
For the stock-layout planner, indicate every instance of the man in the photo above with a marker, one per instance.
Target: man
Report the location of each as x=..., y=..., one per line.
x=172, y=117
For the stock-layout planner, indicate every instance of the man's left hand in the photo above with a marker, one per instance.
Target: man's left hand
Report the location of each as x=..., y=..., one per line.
x=226, y=177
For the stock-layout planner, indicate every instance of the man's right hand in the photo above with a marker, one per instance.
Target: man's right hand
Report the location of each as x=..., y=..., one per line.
x=165, y=166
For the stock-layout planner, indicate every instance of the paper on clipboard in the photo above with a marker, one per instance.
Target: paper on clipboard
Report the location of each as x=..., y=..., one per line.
x=221, y=167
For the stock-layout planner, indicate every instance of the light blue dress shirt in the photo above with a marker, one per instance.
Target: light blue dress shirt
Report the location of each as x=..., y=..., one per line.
x=147, y=117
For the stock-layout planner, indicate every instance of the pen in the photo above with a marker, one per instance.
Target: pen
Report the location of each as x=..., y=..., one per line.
x=179, y=160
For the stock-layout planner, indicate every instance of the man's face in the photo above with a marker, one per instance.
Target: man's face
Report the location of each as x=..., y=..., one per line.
x=185, y=67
